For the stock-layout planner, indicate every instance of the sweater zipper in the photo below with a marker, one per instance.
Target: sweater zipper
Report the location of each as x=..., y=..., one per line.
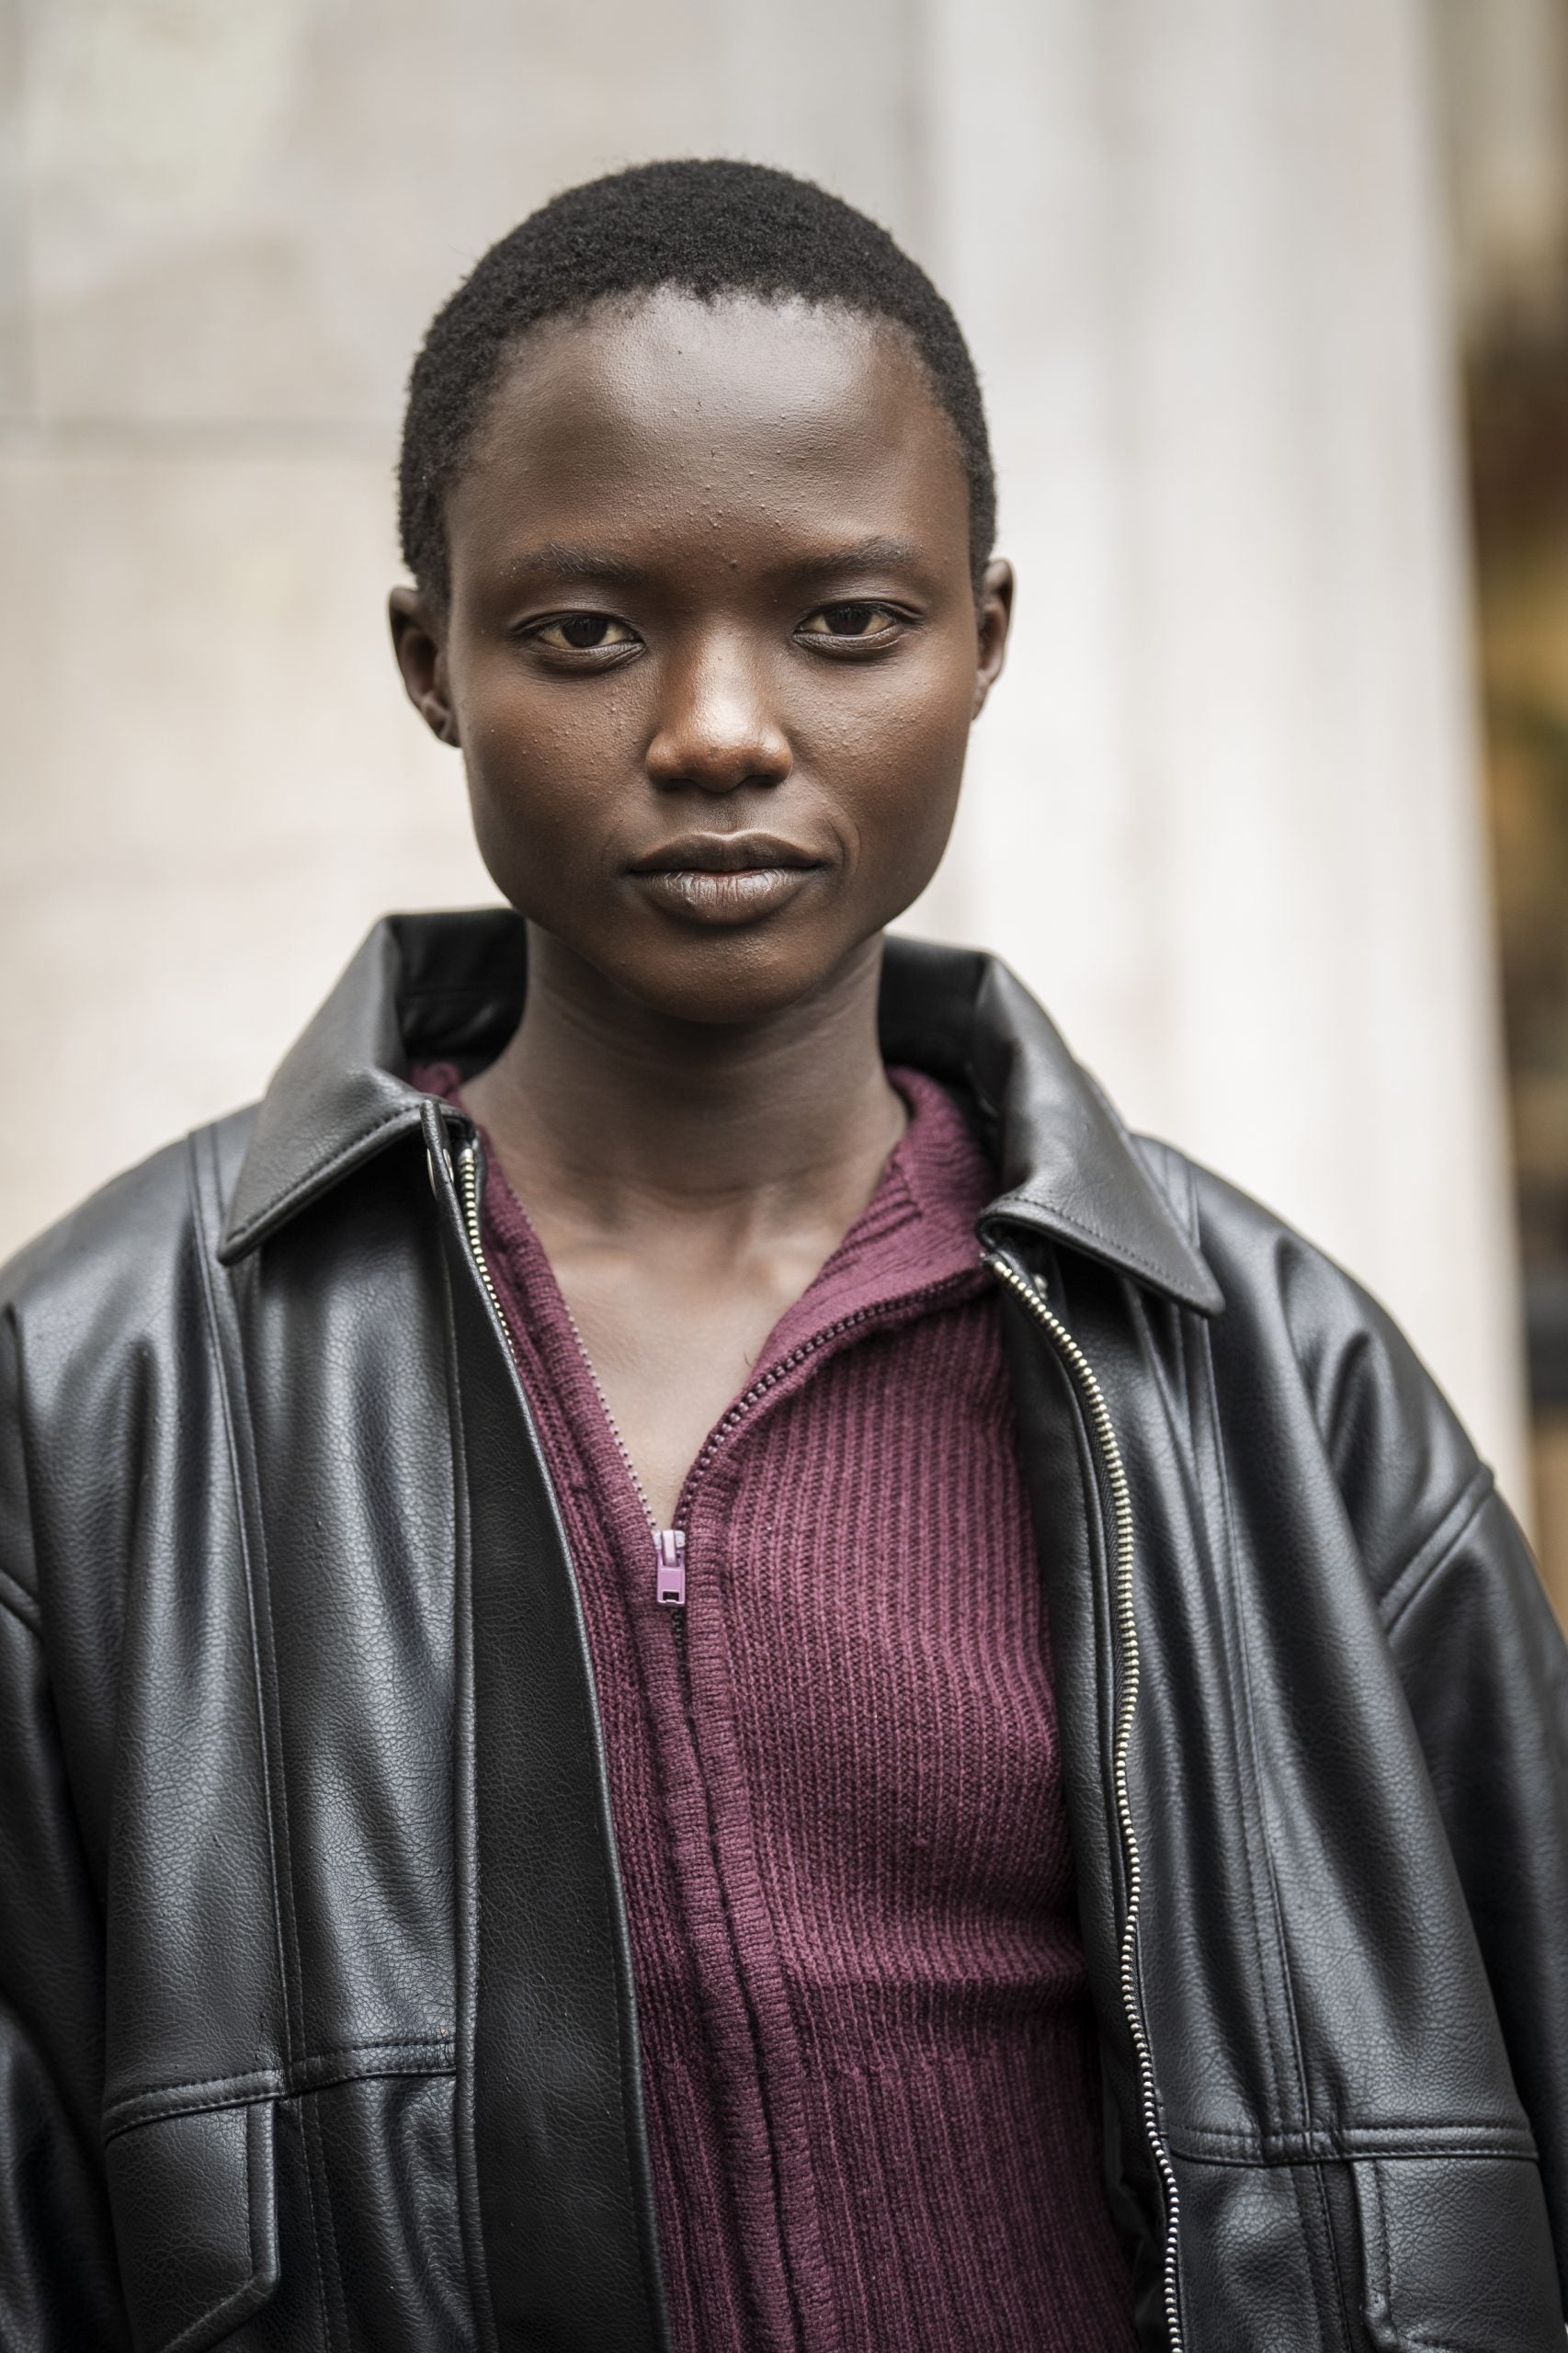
x=669, y=1544
x=1032, y=1291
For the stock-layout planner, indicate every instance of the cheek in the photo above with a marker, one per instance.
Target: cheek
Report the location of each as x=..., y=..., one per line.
x=544, y=771
x=897, y=755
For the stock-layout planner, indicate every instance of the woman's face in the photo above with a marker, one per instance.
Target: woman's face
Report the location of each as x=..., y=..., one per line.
x=712, y=648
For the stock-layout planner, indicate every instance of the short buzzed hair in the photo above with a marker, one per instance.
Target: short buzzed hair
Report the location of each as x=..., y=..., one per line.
x=708, y=229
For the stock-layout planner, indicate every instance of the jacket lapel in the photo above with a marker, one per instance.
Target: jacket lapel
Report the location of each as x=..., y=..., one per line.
x=1068, y=1167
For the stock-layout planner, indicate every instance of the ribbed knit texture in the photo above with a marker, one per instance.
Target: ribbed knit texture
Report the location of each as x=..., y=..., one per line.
x=871, y=2077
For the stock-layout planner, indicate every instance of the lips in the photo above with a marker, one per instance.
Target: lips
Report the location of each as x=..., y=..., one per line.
x=725, y=877
x=726, y=854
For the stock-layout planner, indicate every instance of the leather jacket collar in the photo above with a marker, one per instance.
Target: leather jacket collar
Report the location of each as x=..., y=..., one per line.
x=453, y=985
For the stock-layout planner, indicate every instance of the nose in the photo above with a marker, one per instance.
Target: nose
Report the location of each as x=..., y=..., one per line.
x=717, y=729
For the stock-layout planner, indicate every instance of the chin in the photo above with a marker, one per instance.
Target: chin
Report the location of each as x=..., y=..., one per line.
x=744, y=977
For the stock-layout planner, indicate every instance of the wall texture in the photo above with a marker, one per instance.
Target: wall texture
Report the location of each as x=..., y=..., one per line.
x=1223, y=813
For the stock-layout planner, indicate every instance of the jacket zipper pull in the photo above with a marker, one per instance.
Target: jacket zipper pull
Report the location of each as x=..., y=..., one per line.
x=670, y=1567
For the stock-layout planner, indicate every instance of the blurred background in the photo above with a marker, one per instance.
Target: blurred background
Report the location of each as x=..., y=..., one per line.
x=1270, y=300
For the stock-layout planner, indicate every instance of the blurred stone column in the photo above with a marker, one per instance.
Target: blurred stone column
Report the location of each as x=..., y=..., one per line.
x=1224, y=812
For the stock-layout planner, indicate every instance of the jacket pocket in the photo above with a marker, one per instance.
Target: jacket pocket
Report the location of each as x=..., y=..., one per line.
x=194, y=2207
x=1457, y=2255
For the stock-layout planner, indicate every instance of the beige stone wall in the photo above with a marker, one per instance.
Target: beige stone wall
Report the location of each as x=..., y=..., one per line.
x=222, y=233
x=1223, y=813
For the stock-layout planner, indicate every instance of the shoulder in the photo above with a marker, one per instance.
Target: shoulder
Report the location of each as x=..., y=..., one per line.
x=1302, y=1346
x=135, y=1226
x=105, y=1360
x=111, y=1280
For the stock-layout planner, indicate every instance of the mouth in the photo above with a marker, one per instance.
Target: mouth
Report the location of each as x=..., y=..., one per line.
x=725, y=877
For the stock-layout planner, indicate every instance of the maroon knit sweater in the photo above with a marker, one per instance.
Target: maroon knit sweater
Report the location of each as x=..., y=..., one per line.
x=870, y=2070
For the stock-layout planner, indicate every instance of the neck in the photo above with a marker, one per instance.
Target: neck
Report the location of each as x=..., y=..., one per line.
x=607, y=1113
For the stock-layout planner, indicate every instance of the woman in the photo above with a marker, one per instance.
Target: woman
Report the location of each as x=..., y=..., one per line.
x=691, y=1662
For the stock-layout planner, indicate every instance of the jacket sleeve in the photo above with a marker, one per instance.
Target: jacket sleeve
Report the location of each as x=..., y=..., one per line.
x=1486, y=1676
x=58, y=2277
x=1482, y=1664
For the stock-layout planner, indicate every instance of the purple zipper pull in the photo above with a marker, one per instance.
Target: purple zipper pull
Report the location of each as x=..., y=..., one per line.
x=670, y=1567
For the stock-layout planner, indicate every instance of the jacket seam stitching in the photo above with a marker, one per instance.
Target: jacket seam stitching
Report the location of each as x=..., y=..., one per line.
x=1206, y=1356
x=1331, y=2242
x=277, y=1795
x=334, y=2318
x=1277, y=1910
x=1408, y=2333
x=308, y=2059
x=1418, y=1574
x=1385, y=2255
x=1343, y=2135
x=29, y=1612
x=130, y=2112
x=1473, y=1492
x=1445, y=2152
x=250, y=2194
x=1474, y=2136
x=241, y=1520
x=1356, y=2153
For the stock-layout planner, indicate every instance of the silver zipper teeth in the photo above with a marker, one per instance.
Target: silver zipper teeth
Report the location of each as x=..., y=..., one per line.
x=468, y=1182
x=1127, y=1629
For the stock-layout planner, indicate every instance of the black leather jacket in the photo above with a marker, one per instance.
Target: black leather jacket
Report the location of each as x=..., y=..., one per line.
x=316, y=2022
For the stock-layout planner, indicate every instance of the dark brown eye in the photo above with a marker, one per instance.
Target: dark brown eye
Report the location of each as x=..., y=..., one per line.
x=848, y=620
x=585, y=632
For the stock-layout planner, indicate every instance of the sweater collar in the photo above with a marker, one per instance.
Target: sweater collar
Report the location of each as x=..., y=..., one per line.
x=450, y=986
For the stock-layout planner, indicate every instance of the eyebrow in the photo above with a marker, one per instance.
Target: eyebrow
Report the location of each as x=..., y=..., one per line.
x=579, y=563
x=863, y=555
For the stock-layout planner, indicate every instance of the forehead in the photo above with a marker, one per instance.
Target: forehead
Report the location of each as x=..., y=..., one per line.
x=671, y=415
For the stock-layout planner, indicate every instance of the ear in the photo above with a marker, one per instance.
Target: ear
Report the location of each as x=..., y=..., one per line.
x=993, y=617
x=419, y=643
